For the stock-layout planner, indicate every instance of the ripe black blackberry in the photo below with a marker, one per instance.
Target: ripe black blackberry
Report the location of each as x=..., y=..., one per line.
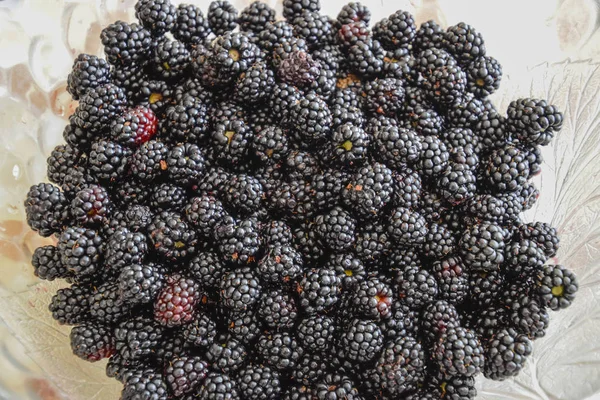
x=81, y=250
x=445, y=85
x=365, y=58
x=218, y=386
x=347, y=146
x=176, y=302
x=371, y=246
x=334, y=386
x=535, y=159
x=158, y=16
x=373, y=299
x=145, y=384
x=137, y=338
x=361, y=341
x=452, y=387
x=483, y=76
x=240, y=289
x=434, y=156
x=277, y=310
x=336, y=229
x=402, y=257
x=134, y=127
x=523, y=258
x=171, y=59
x=191, y=27
x=185, y=164
x=310, y=118
x=486, y=322
x=106, y=306
x=397, y=146
x=279, y=350
x=108, y=161
x=130, y=192
x=76, y=136
x=88, y=72
x=126, y=44
x=226, y=354
x=293, y=201
x=415, y=287
x=485, y=286
x=424, y=120
x=383, y=96
x=319, y=290
x=299, y=69
x=486, y=207
x=527, y=313
x=302, y=165
x=281, y=264
x=172, y=238
x=140, y=283
x=506, y=354
x=243, y=194
x=354, y=12
x=400, y=366
x=429, y=35
x=533, y=121
x=482, y=246
x=283, y=97
x=46, y=209
x=507, y=169
x=124, y=248
x=557, y=286
x=270, y=143
x=466, y=156
x=315, y=333
x=184, y=374
x=313, y=27
x=255, y=84
x=274, y=33
x=232, y=54
x=91, y=206
x=204, y=213
x=452, y=279
x=369, y=190
x=407, y=227
x=294, y=8
x=457, y=183
x=185, y=121
x=245, y=326
x=437, y=317
x=92, y=342
x=167, y=196
x=47, y=264
x=398, y=30
x=239, y=242
x=543, y=234
x=222, y=17
x=255, y=17
x=439, y=242
x=277, y=233
x=229, y=142
x=464, y=43
x=492, y=131
x=465, y=112
x=200, y=331
x=70, y=305
x=259, y=382
x=299, y=392
x=459, y=352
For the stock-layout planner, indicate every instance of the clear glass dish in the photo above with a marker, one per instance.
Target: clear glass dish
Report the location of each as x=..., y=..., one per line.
x=549, y=49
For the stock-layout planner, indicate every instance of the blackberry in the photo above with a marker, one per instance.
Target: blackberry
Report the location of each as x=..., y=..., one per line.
x=407, y=188
x=243, y=193
x=273, y=34
x=403, y=257
x=311, y=367
x=124, y=248
x=506, y=354
x=81, y=250
x=310, y=118
x=492, y=130
x=279, y=350
x=61, y=160
x=172, y=237
x=407, y=227
x=307, y=243
x=439, y=242
x=398, y=30
x=459, y=352
x=271, y=143
x=557, y=286
x=226, y=354
x=415, y=287
x=229, y=142
x=482, y=246
x=400, y=366
x=232, y=54
x=465, y=111
x=212, y=182
x=175, y=303
x=445, y=85
x=293, y=201
x=185, y=121
x=140, y=283
x=47, y=264
x=299, y=69
x=256, y=16
x=424, y=120
x=129, y=79
x=105, y=305
x=319, y=290
x=432, y=206
x=484, y=287
x=483, y=76
x=121, y=369
x=351, y=33
x=91, y=206
x=137, y=338
x=349, y=268
x=184, y=374
x=204, y=213
x=336, y=229
x=434, y=156
x=277, y=233
x=464, y=43
x=302, y=165
x=185, y=164
x=541, y=233
x=523, y=259
x=373, y=299
x=507, y=169
x=130, y=193
x=369, y=190
x=168, y=197
x=437, y=317
x=348, y=145
x=46, y=209
x=299, y=392
x=259, y=383
x=361, y=341
x=533, y=121
x=315, y=333
x=145, y=384
x=171, y=346
x=535, y=159
x=366, y=58
x=201, y=331
x=371, y=246
x=255, y=84
x=92, y=342
x=171, y=59
x=280, y=264
x=283, y=98
x=150, y=160
x=222, y=17
x=240, y=289
x=135, y=127
x=457, y=137
x=453, y=387
x=244, y=326
x=88, y=72
x=452, y=279
x=191, y=27
x=313, y=27
x=354, y=12
x=294, y=8
x=527, y=314
x=513, y=205
x=383, y=96
x=397, y=146
x=457, y=183
x=239, y=243
x=158, y=16
x=278, y=310
x=70, y=305
x=108, y=161
x=126, y=44
x=429, y=35
x=487, y=321
x=76, y=136
x=334, y=386
x=218, y=386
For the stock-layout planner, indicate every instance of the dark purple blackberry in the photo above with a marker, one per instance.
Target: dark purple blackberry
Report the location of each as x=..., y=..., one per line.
x=513, y=206
x=310, y=118
x=171, y=59
x=429, y=35
x=281, y=264
x=176, y=302
x=106, y=306
x=126, y=44
x=299, y=69
x=243, y=194
x=372, y=244
x=88, y=72
x=279, y=350
x=185, y=121
x=129, y=79
x=145, y=384
x=349, y=268
x=407, y=188
x=437, y=317
x=396, y=146
x=232, y=54
x=92, y=342
x=365, y=58
x=402, y=257
x=526, y=313
x=464, y=43
x=315, y=333
x=255, y=84
x=439, y=242
x=239, y=242
x=486, y=322
x=185, y=164
x=319, y=290
x=459, y=352
x=354, y=12
x=424, y=120
x=137, y=338
x=506, y=354
x=486, y=207
x=294, y=8
x=457, y=183
x=507, y=169
x=293, y=201
x=271, y=143
x=245, y=326
x=492, y=131
x=108, y=161
x=369, y=190
x=183, y=374
x=283, y=98
x=445, y=85
x=557, y=286
x=259, y=382
x=313, y=27
x=347, y=146
x=485, y=286
x=91, y=206
x=334, y=386
x=434, y=156
x=400, y=366
x=452, y=387
x=222, y=17
x=299, y=392
x=533, y=121
x=328, y=186
x=277, y=310
x=149, y=161
x=256, y=17
x=158, y=16
x=218, y=386
x=81, y=250
x=98, y=107
x=204, y=213
x=172, y=238
x=407, y=227
x=302, y=165
x=483, y=76
x=130, y=192
x=70, y=305
x=140, y=283
x=415, y=287
x=200, y=331
x=373, y=299
x=398, y=30
x=77, y=137
x=523, y=258
x=465, y=112
x=212, y=182
x=240, y=289
x=541, y=233
x=457, y=137
x=277, y=233
x=482, y=246
x=274, y=33
x=432, y=206
x=191, y=27
x=452, y=280
x=361, y=341
x=120, y=368
x=311, y=367
x=47, y=264
x=284, y=50
x=383, y=96
x=167, y=196
x=226, y=354
x=46, y=209
x=124, y=248
x=336, y=229
x=229, y=142
x=351, y=33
